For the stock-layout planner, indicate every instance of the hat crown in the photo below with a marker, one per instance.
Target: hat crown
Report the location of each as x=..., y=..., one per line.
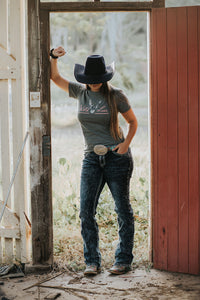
x=95, y=65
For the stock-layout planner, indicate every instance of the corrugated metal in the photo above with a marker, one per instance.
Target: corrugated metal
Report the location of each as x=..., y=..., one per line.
x=175, y=149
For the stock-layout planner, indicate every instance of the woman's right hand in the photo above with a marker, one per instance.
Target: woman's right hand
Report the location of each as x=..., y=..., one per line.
x=59, y=51
x=55, y=75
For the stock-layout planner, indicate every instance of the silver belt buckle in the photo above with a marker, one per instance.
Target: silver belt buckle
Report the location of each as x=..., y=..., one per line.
x=100, y=149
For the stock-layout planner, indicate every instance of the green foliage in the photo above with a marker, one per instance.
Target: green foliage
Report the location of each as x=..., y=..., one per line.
x=140, y=77
x=105, y=211
x=62, y=161
x=65, y=202
x=118, y=36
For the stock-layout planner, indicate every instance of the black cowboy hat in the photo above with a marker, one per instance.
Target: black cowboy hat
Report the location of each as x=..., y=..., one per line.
x=95, y=70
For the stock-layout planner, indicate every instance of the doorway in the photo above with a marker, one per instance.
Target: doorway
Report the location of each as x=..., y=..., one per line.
x=119, y=37
x=162, y=86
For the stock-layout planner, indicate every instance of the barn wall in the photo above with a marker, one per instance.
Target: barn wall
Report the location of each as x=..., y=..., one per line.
x=175, y=139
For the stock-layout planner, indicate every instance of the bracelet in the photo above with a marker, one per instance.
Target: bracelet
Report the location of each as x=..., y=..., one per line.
x=51, y=54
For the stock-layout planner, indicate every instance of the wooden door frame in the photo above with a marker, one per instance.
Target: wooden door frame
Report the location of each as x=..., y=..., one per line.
x=40, y=113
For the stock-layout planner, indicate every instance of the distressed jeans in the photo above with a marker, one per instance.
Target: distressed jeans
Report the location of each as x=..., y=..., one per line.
x=115, y=170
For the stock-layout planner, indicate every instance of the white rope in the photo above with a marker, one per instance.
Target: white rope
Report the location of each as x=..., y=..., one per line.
x=14, y=174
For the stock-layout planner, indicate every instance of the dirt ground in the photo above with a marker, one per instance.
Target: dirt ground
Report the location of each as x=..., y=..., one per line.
x=136, y=284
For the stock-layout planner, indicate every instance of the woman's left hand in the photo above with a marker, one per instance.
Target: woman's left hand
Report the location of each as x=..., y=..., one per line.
x=121, y=148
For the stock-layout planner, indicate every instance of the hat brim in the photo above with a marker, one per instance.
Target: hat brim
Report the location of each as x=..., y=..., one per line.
x=79, y=73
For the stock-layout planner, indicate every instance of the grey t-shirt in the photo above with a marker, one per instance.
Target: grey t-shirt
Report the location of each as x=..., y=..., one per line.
x=94, y=114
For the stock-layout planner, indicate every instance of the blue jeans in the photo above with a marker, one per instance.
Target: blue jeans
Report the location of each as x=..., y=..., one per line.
x=115, y=170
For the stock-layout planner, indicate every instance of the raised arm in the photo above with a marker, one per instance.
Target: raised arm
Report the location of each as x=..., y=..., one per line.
x=55, y=75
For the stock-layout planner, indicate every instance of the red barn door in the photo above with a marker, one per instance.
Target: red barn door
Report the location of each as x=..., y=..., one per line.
x=175, y=144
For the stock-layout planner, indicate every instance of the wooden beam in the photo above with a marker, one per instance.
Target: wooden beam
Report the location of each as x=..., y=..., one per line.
x=98, y=6
x=33, y=46
x=34, y=126
x=47, y=212
x=40, y=164
x=158, y=3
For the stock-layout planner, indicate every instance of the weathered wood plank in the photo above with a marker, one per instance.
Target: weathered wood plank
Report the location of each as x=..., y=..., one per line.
x=158, y=3
x=154, y=135
x=33, y=45
x=162, y=139
x=25, y=243
x=182, y=54
x=97, y=6
x=4, y=100
x=9, y=255
x=35, y=124
x=8, y=74
x=47, y=211
x=1, y=249
x=193, y=97
x=3, y=24
x=12, y=68
x=10, y=233
x=6, y=59
x=198, y=17
x=151, y=193
x=5, y=128
x=10, y=218
x=41, y=205
x=172, y=142
x=5, y=132
x=18, y=116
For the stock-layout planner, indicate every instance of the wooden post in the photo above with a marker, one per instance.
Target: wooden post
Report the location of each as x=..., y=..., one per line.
x=46, y=138
x=40, y=146
x=101, y=6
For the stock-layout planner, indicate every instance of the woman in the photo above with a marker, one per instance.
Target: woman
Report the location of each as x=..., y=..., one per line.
x=107, y=158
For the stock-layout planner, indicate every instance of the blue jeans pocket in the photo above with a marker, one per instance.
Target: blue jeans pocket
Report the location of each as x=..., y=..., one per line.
x=119, y=154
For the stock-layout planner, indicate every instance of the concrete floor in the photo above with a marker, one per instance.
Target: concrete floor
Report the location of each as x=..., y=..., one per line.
x=135, y=285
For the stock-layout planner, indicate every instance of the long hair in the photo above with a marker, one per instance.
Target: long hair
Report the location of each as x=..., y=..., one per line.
x=108, y=92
